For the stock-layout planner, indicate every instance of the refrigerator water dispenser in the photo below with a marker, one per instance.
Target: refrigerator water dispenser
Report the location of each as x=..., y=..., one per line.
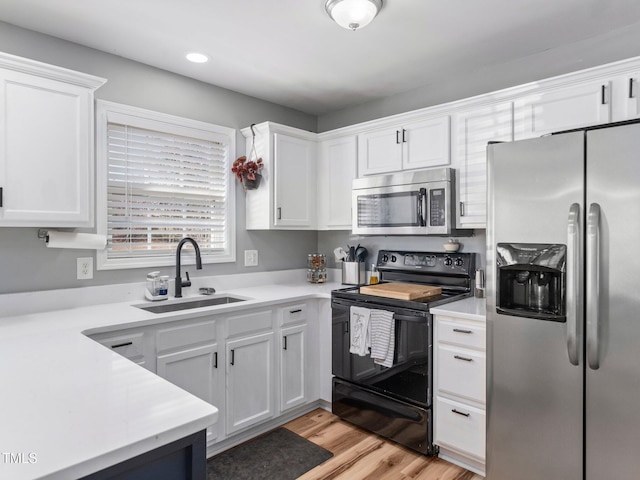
x=531, y=280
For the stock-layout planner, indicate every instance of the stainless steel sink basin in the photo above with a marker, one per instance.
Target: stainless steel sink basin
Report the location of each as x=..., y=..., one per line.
x=189, y=304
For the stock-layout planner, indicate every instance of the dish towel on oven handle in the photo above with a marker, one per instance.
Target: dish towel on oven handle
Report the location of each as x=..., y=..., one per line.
x=383, y=328
x=359, y=330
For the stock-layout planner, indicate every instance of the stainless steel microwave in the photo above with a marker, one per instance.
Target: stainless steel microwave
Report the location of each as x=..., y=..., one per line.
x=408, y=203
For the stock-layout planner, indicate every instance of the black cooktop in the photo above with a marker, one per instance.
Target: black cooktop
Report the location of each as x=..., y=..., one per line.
x=453, y=272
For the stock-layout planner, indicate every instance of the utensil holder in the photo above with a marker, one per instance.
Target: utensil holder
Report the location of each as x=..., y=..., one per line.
x=353, y=273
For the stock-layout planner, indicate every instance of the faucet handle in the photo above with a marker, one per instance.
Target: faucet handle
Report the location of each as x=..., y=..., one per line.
x=188, y=282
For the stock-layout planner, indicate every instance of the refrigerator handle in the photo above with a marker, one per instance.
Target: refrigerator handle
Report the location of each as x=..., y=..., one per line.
x=573, y=283
x=593, y=284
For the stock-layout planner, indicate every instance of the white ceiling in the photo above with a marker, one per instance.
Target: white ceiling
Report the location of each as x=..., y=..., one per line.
x=290, y=52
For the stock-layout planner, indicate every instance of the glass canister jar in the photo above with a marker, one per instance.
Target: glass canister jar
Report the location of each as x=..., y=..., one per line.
x=316, y=268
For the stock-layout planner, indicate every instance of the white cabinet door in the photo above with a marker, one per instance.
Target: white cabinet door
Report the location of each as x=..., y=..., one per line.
x=195, y=370
x=626, y=97
x=475, y=128
x=336, y=171
x=46, y=159
x=420, y=144
x=561, y=109
x=295, y=182
x=379, y=151
x=426, y=143
x=250, y=381
x=293, y=379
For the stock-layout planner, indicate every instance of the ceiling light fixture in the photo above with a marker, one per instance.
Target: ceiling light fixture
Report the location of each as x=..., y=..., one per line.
x=353, y=14
x=197, y=57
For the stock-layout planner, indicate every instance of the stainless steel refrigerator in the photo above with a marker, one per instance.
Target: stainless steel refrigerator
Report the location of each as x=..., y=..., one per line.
x=563, y=306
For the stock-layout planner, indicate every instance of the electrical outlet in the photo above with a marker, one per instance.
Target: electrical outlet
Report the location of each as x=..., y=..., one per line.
x=251, y=258
x=85, y=268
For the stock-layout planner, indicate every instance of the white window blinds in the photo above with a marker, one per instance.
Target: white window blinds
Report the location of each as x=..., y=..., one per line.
x=164, y=184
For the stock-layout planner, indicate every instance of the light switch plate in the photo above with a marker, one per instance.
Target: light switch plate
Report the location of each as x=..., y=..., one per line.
x=251, y=258
x=84, y=268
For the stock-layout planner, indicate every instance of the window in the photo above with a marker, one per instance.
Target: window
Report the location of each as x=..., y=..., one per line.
x=162, y=178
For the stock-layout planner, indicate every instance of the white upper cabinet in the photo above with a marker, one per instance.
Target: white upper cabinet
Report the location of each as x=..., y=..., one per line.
x=337, y=162
x=563, y=108
x=625, y=96
x=286, y=198
x=46, y=133
x=474, y=129
x=419, y=144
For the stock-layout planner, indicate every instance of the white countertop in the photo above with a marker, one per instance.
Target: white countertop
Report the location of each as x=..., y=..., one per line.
x=470, y=308
x=71, y=407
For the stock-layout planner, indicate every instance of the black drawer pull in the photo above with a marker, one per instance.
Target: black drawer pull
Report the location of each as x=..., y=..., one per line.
x=126, y=344
x=295, y=311
x=457, y=330
x=460, y=413
x=466, y=359
x=215, y=359
x=233, y=357
x=284, y=338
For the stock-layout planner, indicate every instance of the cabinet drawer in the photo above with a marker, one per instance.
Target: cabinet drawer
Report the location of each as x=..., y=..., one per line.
x=249, y=323
x=293, y=314
x=460, y=427
x=177, y=336
x=462, y=372
x=129, y=345
x=459, y=333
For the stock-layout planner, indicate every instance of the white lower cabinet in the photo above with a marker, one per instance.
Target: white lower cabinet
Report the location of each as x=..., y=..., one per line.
x=460, y=399
x=250, y=381
x=187, y=356
x=293, y=381
x=254, y=365
x=196, y=371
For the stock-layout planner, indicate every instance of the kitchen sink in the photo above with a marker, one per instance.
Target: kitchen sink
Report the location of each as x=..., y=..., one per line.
x=189, y=304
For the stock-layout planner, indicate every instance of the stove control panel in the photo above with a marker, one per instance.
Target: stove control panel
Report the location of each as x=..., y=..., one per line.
x=436, y=262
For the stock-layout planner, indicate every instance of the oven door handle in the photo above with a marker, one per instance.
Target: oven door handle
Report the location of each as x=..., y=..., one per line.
x=422, y=195
x=411, y=318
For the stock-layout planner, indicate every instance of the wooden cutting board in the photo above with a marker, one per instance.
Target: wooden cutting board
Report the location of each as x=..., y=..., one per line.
x=401, y=291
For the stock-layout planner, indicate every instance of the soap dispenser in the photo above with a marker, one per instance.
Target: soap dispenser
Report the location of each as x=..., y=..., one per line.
x=157, y=287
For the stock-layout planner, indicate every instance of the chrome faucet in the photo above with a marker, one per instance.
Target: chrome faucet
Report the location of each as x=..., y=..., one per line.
x=187, y=283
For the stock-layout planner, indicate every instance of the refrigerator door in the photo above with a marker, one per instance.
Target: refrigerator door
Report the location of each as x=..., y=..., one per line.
x=613, y=322
x=535, y=393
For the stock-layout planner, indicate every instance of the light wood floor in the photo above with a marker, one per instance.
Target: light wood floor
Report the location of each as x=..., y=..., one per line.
x=360, y=455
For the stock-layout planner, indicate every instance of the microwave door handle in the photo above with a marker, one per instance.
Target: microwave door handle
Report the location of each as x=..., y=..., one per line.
x=421, y=200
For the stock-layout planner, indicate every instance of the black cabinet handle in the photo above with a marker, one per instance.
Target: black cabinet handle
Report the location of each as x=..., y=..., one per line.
x=233, y=357
x=630, y=91
x=285, y=342
x=457, y=330
x=0, y=196
x=462, y=209
x=398, y=137
x=404, y=136
x=603, y=95
x=460, y=413
x=215, y=359
x=465, y=359
x=279, y=213
x=119, y=345
x=295, y=311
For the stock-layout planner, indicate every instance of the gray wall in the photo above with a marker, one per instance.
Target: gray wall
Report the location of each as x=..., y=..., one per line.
x=27, y=265
x=617, y=45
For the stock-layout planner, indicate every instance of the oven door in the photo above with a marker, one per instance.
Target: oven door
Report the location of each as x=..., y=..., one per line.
x=410, y=377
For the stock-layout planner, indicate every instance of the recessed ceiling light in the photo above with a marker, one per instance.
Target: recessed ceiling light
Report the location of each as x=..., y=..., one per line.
x=197, y=57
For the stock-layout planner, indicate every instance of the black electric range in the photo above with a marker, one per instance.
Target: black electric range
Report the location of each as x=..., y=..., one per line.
x=396, y=401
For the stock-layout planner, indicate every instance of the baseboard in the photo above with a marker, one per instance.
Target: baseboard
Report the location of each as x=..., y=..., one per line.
x=465, y=462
